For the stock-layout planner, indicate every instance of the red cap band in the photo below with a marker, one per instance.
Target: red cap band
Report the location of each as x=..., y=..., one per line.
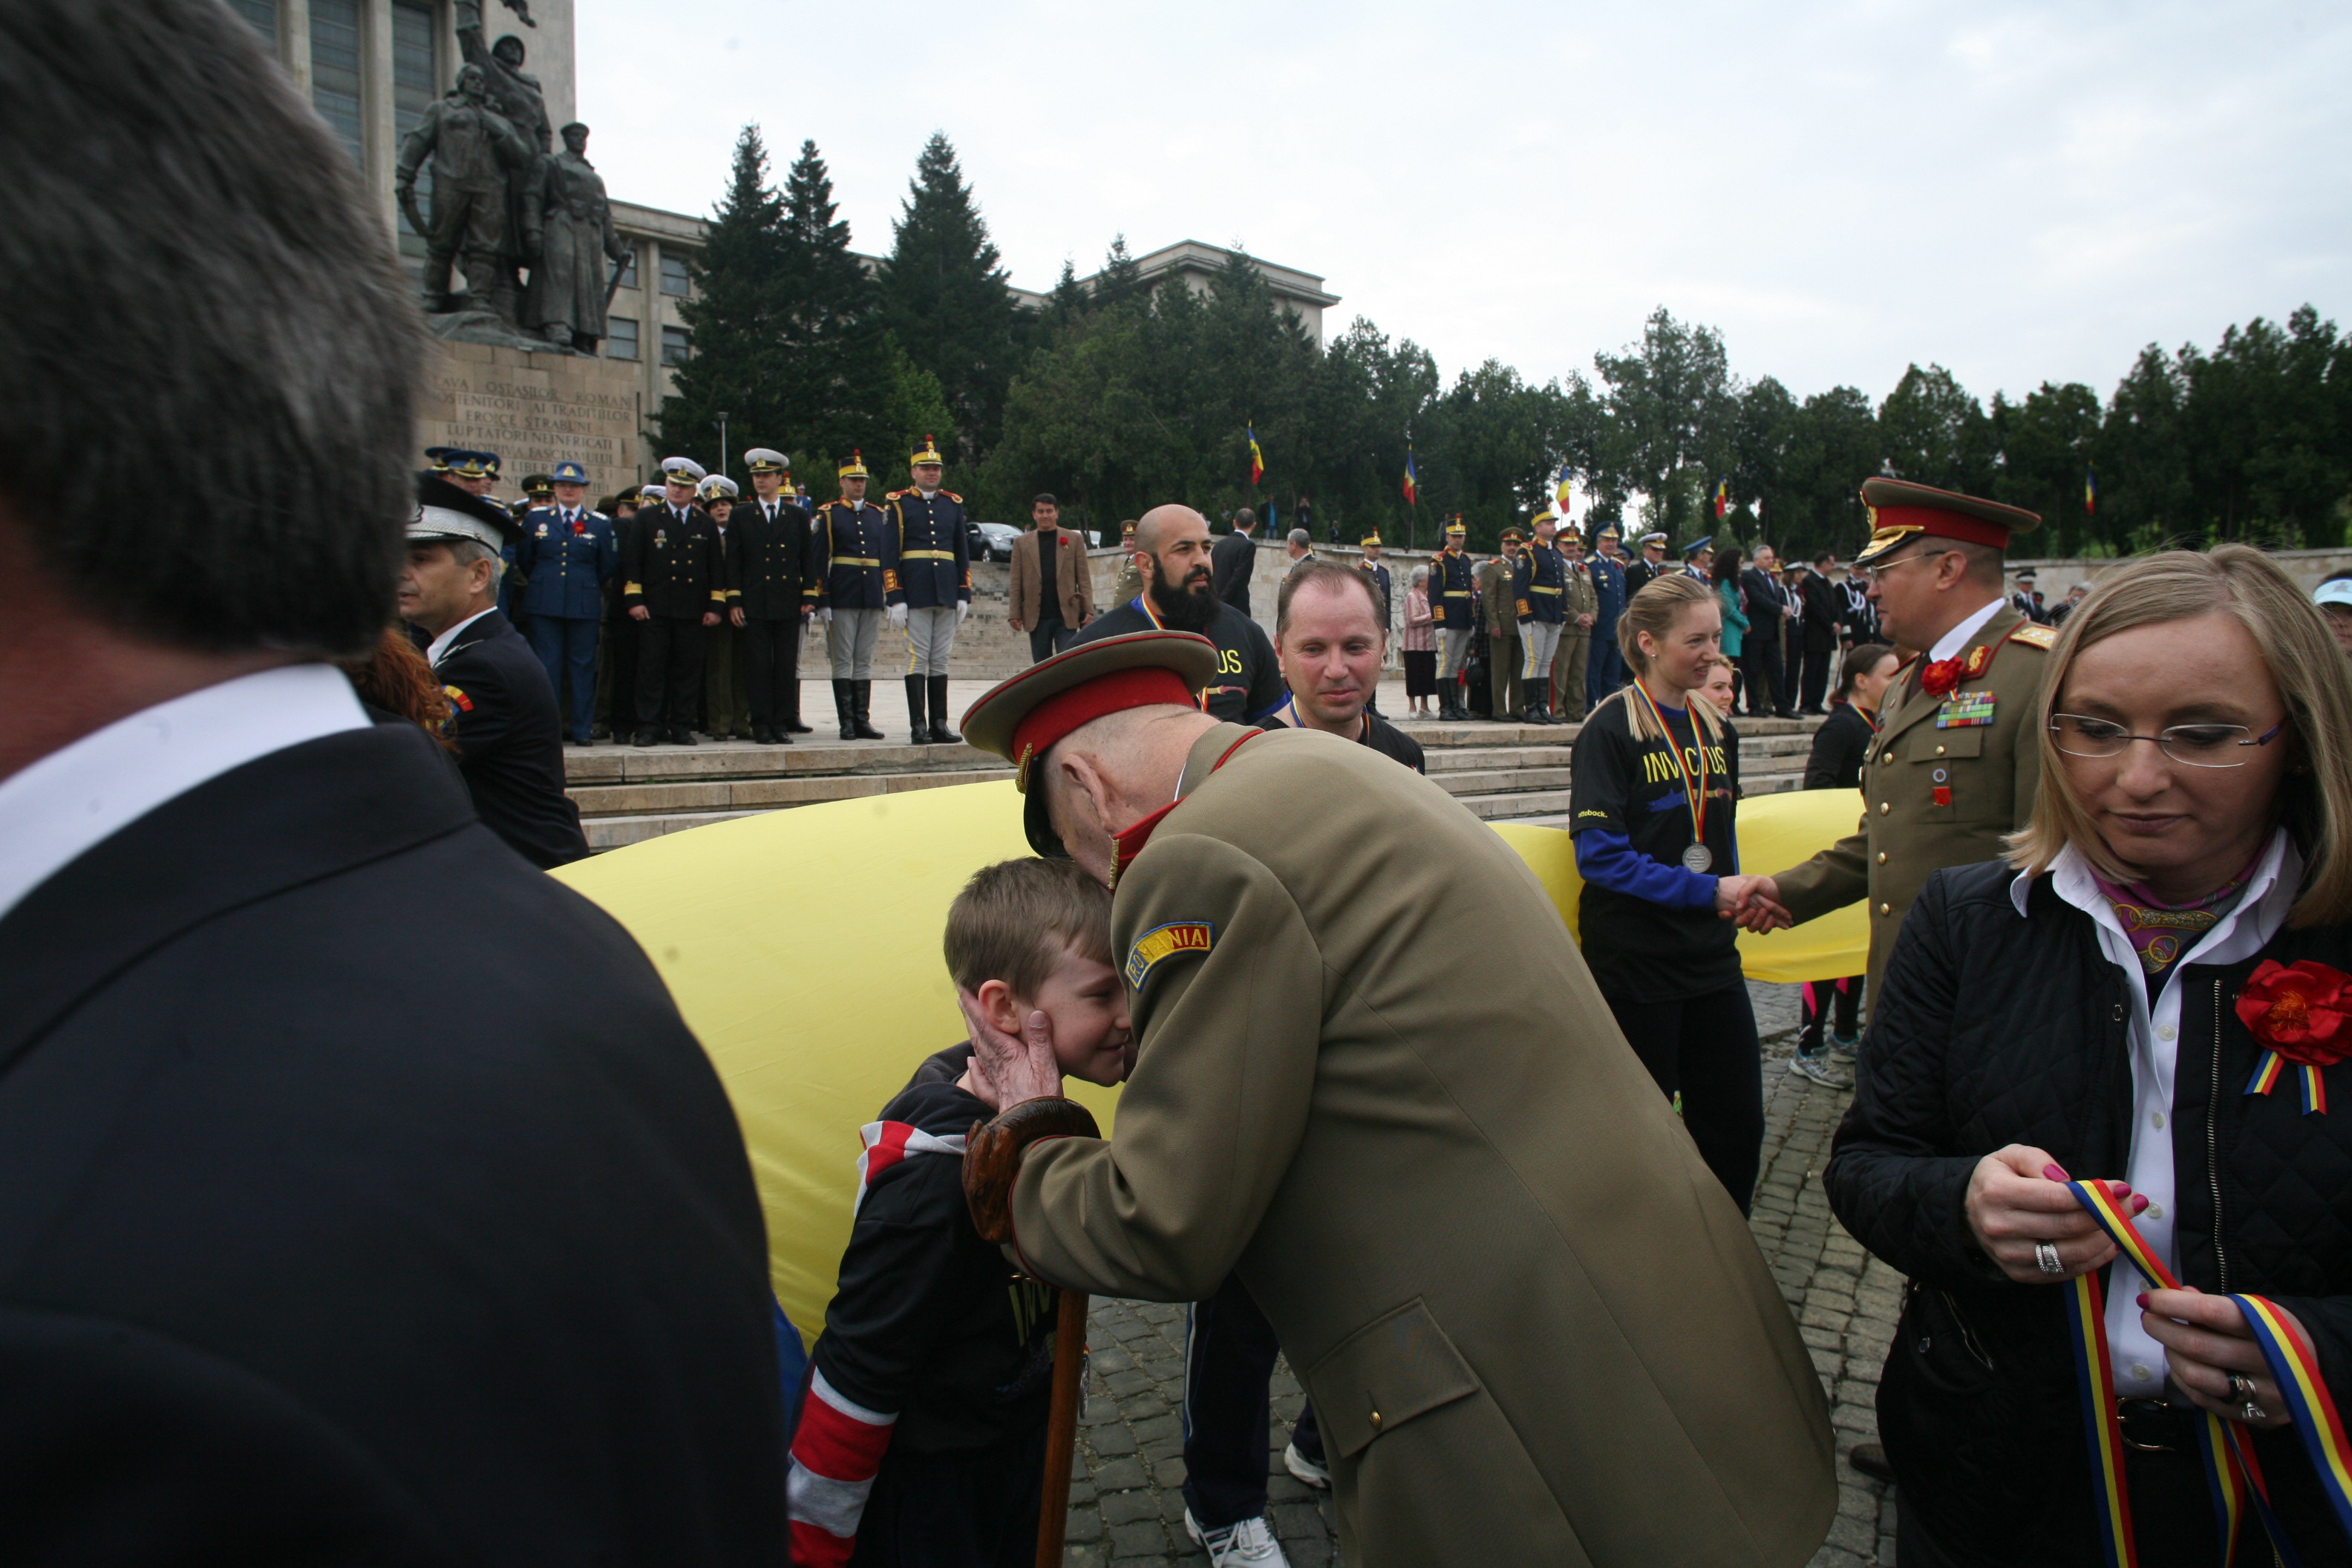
x=1943, y=524
x=1066, y=711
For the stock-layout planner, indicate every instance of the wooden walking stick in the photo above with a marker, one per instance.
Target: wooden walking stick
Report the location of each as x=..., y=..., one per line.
x=991, y=1164
x=1062, y=1426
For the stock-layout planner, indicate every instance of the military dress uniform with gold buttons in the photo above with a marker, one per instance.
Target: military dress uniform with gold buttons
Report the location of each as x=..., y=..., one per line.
x=1454, y=612
x=934, y=539
x=853, y=581
x=1540, y=587
x=565, y=555
x=1498, y=608
x=726, y=713
x=674, y=571
x=1956, y=762
x=772, y=573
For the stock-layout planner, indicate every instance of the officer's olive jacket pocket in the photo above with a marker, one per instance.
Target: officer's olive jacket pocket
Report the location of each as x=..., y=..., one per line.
x=1394, y=1368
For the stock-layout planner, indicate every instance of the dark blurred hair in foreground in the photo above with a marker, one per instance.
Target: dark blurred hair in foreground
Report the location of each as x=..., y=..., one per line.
x=208, y=356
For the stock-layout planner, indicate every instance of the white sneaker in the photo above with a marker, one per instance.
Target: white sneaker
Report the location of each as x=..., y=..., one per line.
x=1821, y=1069
x=1314, y=1472
x=1249, y=1542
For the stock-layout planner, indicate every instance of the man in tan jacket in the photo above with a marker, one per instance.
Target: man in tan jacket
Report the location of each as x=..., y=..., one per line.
x=1498, y=607
x=1534, y=1327
x=1051, y=617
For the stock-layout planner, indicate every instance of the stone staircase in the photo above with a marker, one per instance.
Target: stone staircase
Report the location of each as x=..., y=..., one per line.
x=1501, y=773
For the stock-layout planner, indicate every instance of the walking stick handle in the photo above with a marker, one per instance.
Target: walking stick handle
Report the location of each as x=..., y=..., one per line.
x=1061, y=1426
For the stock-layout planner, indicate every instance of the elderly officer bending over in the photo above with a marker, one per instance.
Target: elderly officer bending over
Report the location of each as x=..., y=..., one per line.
x=1533, y=1326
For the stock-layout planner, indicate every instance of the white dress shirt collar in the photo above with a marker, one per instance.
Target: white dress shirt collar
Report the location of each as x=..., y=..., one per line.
x=1954, y=643
x=80, y=795
x=440, y=645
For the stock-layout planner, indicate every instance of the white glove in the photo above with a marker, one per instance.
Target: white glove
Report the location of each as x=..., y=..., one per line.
x=963, y=609
x=897, y=614
x=825, y=615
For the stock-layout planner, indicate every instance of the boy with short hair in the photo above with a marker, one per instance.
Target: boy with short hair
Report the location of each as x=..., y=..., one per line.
x=921, y=1438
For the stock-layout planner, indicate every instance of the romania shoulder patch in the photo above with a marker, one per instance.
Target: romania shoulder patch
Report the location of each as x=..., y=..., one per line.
x=2032, y=635
x=464, y=703
x=1166, y=941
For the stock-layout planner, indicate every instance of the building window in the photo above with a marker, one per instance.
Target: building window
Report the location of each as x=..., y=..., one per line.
x=674, y=345
x=621, y=338
x=412, y=94
x=674, y=279
x=629, y=271
x=263, y=15
x=335, y=69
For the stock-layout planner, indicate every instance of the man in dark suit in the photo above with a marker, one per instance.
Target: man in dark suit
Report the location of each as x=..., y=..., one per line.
x=1233, y=559
x=502, y=715
x=1819, y=632
x=364, y=1197
x=772, y=566
x=1768, y=607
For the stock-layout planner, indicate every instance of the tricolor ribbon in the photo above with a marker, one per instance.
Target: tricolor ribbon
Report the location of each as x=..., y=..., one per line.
x=2233, y=1474
x=2315, y=1087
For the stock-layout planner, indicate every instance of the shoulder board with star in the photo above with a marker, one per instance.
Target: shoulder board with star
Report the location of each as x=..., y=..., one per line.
x=2033, y=635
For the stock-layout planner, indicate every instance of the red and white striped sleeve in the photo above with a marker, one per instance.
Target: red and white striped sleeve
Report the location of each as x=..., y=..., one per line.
x=835, y=1453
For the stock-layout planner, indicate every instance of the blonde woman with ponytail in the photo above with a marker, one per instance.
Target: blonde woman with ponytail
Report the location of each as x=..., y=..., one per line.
x=1654, y=786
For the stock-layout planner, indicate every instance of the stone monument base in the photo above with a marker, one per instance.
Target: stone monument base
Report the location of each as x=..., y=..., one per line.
x=535, y=409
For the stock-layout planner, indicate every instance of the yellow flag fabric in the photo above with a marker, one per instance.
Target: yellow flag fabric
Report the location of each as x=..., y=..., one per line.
x=803, y=947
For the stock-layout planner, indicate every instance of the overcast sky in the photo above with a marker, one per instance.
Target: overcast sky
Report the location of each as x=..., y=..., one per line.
x=2020, y=192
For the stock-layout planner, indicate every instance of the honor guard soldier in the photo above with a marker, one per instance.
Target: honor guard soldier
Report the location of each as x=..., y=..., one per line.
x=1371, y=565
x=1540, y=589
x=1454, y=610
x=567, y=552
x=934, y=541
x=726, y=715
x=771, y=554
x=853, y=581
x=1497, y=607
x=675, y=588
x=1955, y=764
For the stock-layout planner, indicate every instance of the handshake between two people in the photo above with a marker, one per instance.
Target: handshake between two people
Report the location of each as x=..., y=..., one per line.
x=1753, y=902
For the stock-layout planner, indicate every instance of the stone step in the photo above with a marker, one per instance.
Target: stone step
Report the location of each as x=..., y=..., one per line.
x=1435, y=735
x=1460, y=782
x=1517, y=805
x=722, y=759
x=736, y=796
x=620, y=832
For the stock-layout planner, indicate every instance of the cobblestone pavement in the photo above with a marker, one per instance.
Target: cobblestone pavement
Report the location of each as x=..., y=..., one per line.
x=1127, y=1506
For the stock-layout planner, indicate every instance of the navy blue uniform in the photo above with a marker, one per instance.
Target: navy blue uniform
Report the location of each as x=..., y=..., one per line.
x=567, y=555
x=1380, y=576
x=509, y=746
x=674, y=570
x=1604, y=672
x=1540, y=584
x=934, y=543
x=853, y=558
x=771, y=572
x=1452, y=591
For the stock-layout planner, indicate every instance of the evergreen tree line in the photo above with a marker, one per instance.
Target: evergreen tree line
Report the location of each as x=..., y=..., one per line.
x=1117, y=396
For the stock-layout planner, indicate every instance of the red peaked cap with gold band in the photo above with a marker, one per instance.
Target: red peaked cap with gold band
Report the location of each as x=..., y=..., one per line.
x=1019, y=720
x=1901, y=512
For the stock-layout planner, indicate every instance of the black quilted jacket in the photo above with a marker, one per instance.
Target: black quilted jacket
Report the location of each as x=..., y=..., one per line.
x=1991, y=1030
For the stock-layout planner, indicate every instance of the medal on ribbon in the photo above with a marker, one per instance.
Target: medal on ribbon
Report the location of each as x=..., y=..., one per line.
x=1698, y=857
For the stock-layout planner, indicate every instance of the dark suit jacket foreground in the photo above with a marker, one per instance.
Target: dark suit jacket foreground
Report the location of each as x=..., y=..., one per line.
x=1231, y=560
x=510, y=742
x=365, y=1199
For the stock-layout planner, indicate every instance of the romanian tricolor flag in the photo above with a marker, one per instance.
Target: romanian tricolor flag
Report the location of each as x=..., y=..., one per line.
x=1257, y=458
x=1559, y=494
x=1722, y=498
x=1411, y=479
x=2090, y=491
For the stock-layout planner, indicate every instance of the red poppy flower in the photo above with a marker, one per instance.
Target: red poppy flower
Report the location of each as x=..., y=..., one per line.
x=1940, y=676
x=2298, y=1011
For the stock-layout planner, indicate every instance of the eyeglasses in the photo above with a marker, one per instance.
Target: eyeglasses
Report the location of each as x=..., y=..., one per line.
x=1871, y=575
x=2195, y=746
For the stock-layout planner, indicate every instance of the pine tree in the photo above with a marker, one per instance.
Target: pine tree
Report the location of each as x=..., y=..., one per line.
x=737, y=363
x=1067, y=302
x=842, y=385
x=1121, y=277
x=946, y=297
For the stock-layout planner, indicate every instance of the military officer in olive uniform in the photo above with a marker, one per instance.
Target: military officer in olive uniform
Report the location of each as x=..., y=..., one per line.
x=1453, y=613
x=934, y=543
x=853, y=581
x=1540, y=588
x=1498, y=607
x=772, y=555
x=1129, y=586
x=1582, y=602
x=1535, y=1329
x=567, y=552
x=1956, y=763
x=674, y=586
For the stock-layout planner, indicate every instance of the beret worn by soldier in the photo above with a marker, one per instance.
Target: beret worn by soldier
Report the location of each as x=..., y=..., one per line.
x=1021, y=718
x=767, y=460
x=1901, y=510
x=446, y=514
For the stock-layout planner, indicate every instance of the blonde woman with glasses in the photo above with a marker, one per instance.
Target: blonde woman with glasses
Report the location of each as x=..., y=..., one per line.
x=2152, y=992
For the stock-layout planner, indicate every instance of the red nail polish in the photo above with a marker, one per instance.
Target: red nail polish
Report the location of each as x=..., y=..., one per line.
x=2054, y=1173
x=2142, y=1299
x=2140, y=1206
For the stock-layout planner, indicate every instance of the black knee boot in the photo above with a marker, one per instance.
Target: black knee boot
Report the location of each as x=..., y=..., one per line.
x=941, y=734
x=862, y=692
x=920, y=735
x=844, y=707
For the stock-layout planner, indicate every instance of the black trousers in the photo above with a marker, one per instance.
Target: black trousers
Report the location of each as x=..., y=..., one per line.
x=977, y=1509
x=1815, y=684
x=1229, y=1351
x=1705, y=1048
x=1049, y=639
x=669, y=671
x=1821, y=998
x=620, y=680
x=1768, y=682
x=771, y=671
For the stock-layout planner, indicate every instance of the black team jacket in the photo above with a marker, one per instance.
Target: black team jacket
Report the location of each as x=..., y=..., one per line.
x=510, y=741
